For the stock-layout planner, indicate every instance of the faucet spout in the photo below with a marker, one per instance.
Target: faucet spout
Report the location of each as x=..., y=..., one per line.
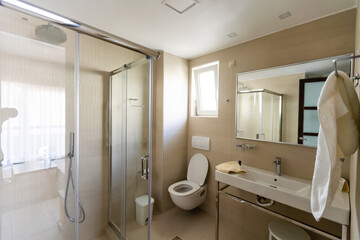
x=277, y=163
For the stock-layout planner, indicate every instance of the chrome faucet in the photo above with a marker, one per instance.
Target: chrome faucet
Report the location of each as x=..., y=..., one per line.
x=277, y=163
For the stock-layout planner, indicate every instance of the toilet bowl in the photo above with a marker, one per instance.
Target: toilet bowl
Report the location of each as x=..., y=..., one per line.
x=191, y=193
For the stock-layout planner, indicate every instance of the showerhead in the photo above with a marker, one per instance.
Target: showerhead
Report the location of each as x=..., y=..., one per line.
x=50, y=34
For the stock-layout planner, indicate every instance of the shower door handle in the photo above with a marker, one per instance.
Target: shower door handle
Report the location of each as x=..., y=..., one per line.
x=145, y=167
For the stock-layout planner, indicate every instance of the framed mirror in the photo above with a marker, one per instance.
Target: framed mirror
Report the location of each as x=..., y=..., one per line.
x=280, y=104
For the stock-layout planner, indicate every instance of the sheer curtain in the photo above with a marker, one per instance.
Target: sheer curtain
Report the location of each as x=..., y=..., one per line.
x=32, y=101
x=38, y=130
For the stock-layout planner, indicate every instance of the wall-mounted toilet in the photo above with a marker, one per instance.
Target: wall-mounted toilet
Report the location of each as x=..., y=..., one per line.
x=191, y=193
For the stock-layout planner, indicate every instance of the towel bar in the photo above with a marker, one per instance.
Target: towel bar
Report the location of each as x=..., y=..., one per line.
x=355, y=78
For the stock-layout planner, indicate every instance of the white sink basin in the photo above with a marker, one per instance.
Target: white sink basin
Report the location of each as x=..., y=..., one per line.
x=281, y=183
x=288, y=190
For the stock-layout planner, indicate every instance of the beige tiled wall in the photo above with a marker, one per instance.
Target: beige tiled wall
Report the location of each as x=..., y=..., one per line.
x=175, y=122
x=158, y=154
x=171, y=110
x=330, y=36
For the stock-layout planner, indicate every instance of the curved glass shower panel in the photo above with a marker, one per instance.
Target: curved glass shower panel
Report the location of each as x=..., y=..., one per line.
x=36, y=115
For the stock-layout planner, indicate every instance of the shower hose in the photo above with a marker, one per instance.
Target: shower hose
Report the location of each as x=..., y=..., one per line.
x=70, y=177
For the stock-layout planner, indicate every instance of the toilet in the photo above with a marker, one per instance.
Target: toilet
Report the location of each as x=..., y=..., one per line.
x=191, y=193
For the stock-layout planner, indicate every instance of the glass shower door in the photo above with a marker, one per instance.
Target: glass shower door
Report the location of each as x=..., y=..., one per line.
x=129, y=151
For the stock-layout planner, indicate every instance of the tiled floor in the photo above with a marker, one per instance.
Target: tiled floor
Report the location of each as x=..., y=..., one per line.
x=35, y=222
x=39, y=222
x=106, y=236
x=188, y=225
x=31, y=222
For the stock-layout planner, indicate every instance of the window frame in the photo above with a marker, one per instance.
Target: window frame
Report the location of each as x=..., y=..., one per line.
x=196, y=71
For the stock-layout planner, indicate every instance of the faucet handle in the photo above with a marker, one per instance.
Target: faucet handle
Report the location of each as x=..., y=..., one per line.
x=277, y=160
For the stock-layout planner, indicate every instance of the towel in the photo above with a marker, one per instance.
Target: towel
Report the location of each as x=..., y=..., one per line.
x=230, y=167
x=338, y=110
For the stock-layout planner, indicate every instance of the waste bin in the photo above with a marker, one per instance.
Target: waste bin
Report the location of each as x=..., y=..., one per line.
x=142, y=204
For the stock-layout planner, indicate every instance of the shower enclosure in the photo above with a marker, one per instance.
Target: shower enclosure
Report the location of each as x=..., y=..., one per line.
x=259, y=114
x=130, y=145
x=55, y=97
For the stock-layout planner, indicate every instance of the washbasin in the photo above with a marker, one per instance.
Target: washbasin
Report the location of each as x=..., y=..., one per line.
x=282, y=183
x=287, y=190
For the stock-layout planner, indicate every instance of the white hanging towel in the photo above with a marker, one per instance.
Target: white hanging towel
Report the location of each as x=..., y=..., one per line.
x=338, y=109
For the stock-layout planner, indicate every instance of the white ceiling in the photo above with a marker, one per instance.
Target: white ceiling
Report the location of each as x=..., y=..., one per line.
x=202, y=29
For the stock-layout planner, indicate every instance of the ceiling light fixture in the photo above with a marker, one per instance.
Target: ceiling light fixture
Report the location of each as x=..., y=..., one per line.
x=180, y=6
x=232, y=35
x=284, y=15
x=38, y=11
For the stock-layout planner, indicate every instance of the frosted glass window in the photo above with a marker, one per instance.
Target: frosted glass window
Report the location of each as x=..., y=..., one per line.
x=312, y=93
x=311, y=121
x=310, y=140
x=206, y=89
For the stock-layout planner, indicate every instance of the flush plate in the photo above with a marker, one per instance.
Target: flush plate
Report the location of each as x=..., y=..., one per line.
x=202, y=143
x=180, y=6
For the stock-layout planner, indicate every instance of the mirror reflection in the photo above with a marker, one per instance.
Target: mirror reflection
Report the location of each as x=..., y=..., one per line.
x=280, y=104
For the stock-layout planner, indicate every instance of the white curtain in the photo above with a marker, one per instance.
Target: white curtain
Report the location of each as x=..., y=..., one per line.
x=38, y=130
x=32, y=101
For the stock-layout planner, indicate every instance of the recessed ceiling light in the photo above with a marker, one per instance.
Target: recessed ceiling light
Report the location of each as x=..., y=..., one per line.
x=285, y=15
x=231, y=35
x=180, y=6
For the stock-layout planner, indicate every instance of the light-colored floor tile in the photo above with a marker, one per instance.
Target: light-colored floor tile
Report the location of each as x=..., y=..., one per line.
x=54, y=207
x=51, y=234
x=136, y=231
x=106, y=236
x=31, y=220
x=5, y=227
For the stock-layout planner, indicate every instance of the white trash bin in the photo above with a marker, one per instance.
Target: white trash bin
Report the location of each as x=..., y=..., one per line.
x=142, y=203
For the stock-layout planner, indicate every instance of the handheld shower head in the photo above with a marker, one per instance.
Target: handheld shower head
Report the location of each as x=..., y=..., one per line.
x=50, y=34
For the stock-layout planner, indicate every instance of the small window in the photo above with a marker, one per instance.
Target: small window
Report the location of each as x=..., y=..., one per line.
x=205, y=90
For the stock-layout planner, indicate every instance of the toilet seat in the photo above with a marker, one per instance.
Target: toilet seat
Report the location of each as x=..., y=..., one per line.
x=197, y=169
x=179, y=188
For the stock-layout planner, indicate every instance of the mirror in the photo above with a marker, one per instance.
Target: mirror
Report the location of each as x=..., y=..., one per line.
x=280, y=104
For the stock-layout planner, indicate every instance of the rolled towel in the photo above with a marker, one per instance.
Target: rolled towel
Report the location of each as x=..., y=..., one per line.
x=230, y=167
